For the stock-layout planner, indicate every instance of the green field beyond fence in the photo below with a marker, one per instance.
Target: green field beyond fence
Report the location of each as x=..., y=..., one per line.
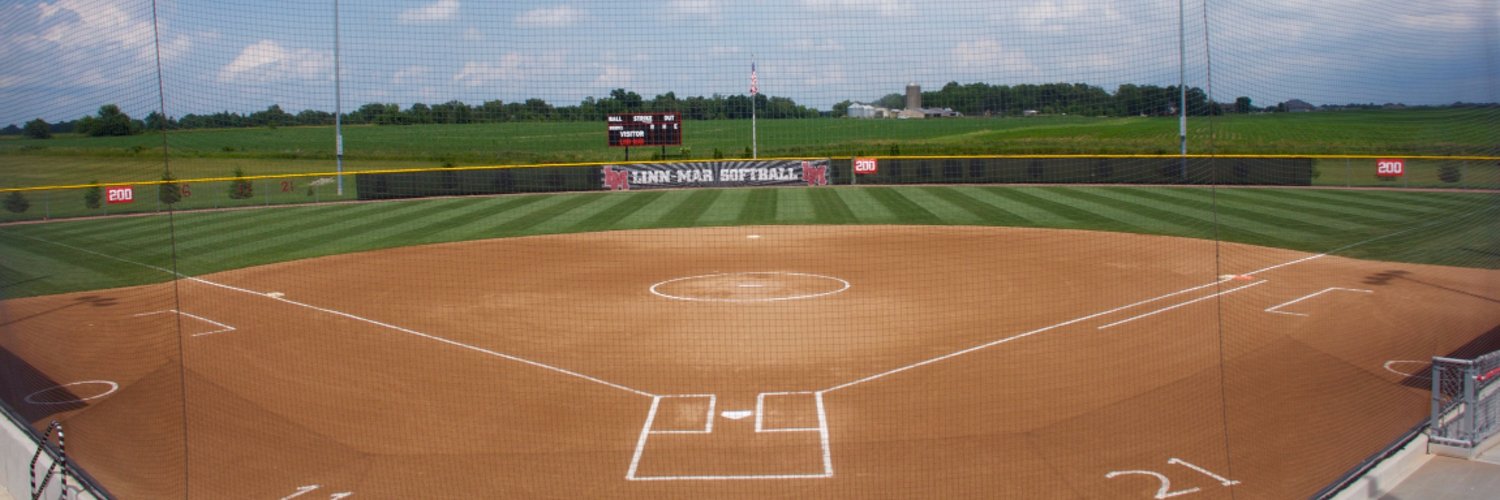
x=72, y=159
x=1442, y=228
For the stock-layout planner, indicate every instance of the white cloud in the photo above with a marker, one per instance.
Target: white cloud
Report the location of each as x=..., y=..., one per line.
x=411, y=75
x=614, y=76
x=854, y=8
x=551, y=17
x=990, y=54
x=695, y=8
x=267, y=60
x=441, y=10
x=92, y=24
x=512, y=68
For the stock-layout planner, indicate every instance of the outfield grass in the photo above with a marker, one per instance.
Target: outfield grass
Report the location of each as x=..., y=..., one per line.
x=72, y=159
x=1442, y=228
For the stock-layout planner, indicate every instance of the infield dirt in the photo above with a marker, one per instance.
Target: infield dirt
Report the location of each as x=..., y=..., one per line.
x=875, y=362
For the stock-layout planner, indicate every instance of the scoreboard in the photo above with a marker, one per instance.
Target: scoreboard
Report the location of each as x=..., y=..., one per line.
x=644, y=129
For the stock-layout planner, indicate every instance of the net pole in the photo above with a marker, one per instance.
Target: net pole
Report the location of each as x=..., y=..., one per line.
x=338, y=105
x=1182, y=84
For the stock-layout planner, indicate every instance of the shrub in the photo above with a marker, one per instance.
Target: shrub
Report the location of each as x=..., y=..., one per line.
x=171, y=192
x=1450, y=174
x=93, y=195
x=16, y=202
x=240, y=188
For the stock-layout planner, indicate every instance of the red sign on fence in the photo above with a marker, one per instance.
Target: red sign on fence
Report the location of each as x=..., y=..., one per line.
x=119, y=194
x=1390, y=167
x=866, y=166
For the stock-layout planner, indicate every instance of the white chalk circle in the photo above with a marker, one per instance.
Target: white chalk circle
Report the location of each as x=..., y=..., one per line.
x=749, y=287
x=1421, y=365
x=31, y=398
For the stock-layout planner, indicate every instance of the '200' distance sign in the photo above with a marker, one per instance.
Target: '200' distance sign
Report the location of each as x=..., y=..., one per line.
x=1390, y=167
x=866, y=166
x=119, y=194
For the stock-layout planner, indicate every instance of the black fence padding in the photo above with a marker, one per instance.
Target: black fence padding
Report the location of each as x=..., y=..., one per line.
x=475, y=182
x=1238, y=171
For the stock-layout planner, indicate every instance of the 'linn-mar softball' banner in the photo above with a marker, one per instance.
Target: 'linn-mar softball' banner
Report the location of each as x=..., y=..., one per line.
x=716, y=174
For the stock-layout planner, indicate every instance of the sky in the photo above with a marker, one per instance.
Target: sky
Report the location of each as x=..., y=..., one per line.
x=64, y=58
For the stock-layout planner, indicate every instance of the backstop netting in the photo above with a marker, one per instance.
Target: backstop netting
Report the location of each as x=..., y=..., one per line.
x=841, y=248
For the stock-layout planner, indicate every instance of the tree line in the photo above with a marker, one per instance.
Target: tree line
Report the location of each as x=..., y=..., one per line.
x=974, y=99
x=982, y=99
x=110, y=121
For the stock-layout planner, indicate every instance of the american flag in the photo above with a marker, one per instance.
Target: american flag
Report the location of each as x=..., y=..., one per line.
x=754, y=83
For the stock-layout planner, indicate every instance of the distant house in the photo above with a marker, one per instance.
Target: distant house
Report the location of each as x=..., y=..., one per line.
x=1298, y=106
x=940, y=112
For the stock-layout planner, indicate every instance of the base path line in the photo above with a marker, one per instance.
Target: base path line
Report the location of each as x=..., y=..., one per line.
x=1092, y=316
x=1017, y=337
x=1175, y=306
x=342, y=314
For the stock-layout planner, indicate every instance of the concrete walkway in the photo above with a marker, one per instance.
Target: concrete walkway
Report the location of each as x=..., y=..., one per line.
x=1444, y=478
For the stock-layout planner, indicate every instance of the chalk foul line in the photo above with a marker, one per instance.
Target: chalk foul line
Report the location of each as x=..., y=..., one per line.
x=342, y=314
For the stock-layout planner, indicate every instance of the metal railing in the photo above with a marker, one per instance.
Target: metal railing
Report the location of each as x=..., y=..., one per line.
x=1465, y=400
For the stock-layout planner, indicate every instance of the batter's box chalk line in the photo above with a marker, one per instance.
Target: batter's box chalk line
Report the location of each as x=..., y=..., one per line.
x=648, y=430
x=219, y=327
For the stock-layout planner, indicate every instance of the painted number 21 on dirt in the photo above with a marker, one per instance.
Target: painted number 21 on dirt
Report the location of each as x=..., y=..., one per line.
x=1166, y=484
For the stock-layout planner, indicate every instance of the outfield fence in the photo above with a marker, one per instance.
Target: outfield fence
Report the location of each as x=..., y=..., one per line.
x=157, y=196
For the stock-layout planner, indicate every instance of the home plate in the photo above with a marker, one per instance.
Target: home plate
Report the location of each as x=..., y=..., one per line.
x=737, y=415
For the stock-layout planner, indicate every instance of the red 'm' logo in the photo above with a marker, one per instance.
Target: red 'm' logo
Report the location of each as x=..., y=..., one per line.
x=814, y=176
x=616, y=180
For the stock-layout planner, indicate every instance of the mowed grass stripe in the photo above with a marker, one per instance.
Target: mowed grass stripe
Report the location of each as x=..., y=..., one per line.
x=1324, y=213
x=759, y=207
x=690, y=209
x=346, y=236
x=1072, y=217
x=109, y=228
x=1037, y=217
x=794, y=206
x=725, y=209
x=1428, y=199
x=1292, y=200
x=829, y=207
x=983, y=213
x=1403, y=203
x=607, y=217
x=1146, y=215
x=939, y=207
x=469, y=224
x=32, y=254
x=643, y=218
x=256, y=230
x=866, y=209
x=1245, y=225
x=548, y=219
x=903, y=207
x=1092, y=215
x=1467, y=239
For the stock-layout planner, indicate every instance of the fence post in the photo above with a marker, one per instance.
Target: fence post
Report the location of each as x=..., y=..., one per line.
x=1435, y=424
x=1471, y=405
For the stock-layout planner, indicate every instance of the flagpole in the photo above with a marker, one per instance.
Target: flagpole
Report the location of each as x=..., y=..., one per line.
x=754, y=132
